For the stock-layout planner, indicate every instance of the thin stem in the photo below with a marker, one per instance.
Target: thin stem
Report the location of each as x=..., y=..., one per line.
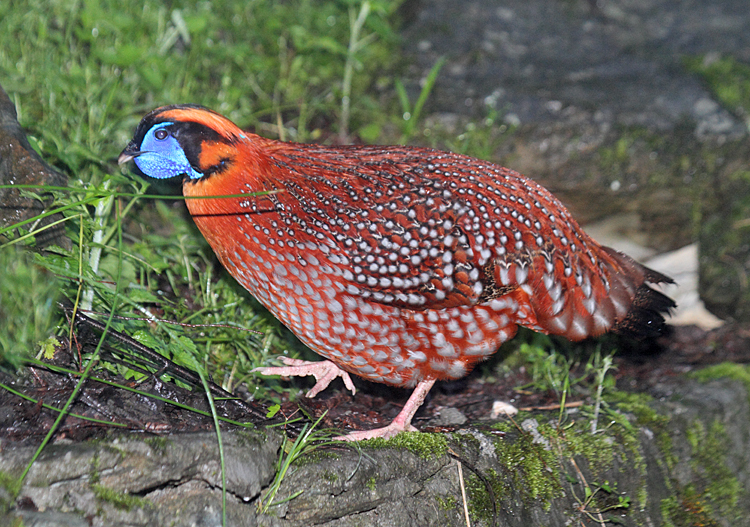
x=103, y=207
x=217, y=427
x=600, y=376
x=355, y=45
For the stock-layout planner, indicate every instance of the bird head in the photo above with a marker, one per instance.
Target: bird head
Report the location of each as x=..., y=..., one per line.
x=183, y=140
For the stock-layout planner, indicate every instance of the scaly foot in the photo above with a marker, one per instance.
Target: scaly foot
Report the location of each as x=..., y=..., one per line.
x=402, y=422
x=323, y=371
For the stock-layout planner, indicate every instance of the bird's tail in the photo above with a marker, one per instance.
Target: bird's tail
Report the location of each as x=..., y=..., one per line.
x=613, y=295
x=645, y=316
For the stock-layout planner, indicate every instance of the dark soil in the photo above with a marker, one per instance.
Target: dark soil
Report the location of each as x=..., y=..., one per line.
x=683, y=349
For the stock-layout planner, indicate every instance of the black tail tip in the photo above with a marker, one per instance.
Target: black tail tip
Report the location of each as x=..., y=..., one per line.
x=646, y=316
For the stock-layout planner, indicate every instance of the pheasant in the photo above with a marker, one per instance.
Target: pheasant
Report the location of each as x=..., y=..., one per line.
x=399, y=264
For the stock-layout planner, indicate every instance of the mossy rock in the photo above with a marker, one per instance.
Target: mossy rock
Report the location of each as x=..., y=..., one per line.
x=724, y=239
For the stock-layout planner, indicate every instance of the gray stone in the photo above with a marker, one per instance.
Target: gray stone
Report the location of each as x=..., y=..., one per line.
x=703, y=432
x=449, y=417
x=532, y=57
x=134, y=480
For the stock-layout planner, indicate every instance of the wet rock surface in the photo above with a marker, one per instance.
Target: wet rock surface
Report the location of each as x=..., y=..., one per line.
x=134, y=480
x=621, y=62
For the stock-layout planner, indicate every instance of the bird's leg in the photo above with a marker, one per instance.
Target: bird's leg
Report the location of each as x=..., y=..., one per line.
x=402, y=422
x=323, y=371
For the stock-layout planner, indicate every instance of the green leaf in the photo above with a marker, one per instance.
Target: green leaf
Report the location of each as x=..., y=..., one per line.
x=142, y=296
x=184, y=351
x=135, y=375
x=147, y=339
x=48, y=347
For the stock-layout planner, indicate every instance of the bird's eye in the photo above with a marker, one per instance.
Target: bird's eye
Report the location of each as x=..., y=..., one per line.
x=161, y=134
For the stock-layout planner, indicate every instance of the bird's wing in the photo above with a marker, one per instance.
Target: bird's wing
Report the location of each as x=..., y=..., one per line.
x=416, y=255
x=402, y=238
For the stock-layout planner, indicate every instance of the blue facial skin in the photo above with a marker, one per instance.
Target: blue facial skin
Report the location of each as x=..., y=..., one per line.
x=161, y=155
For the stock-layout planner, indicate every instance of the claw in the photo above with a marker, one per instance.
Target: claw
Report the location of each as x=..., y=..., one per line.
x=326, y=371
x=402, y=422
x=323, y=371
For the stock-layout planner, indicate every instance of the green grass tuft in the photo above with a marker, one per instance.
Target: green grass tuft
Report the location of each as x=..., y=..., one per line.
x=28, y=309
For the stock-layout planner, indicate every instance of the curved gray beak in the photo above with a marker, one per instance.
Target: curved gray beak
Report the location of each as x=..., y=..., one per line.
x=128, y=154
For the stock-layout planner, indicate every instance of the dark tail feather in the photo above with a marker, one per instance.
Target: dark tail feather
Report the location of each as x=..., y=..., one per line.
x=646, y=316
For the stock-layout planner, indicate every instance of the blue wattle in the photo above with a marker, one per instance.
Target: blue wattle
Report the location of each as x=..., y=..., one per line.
x=165, y=158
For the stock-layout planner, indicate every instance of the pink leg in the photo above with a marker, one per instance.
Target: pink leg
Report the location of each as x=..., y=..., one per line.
x=402, y=422
x=323, y=371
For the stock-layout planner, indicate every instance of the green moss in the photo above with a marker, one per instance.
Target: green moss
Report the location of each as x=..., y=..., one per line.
x=642, y=496
x=714, y=492
x=639, y=405
x=480, y=500
x=12, y=485
x=724, y=370
x=252, y=437
x=599, y=449
x=685, y=511
x=447, y=503
x=120, y=500
x=371, y=483
x=94, y=471
x=618, y=443
x=510, y=426
x=539, y=469
x=331, y=477
x=310, y=458
x=424, y=445
x=534, y=470
x=721, y=489
x=728, y=78
x=157, y=444
x=717, y=491
x=669, y=508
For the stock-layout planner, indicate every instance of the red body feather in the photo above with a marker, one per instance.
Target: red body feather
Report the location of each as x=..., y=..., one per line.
x=405, y=264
